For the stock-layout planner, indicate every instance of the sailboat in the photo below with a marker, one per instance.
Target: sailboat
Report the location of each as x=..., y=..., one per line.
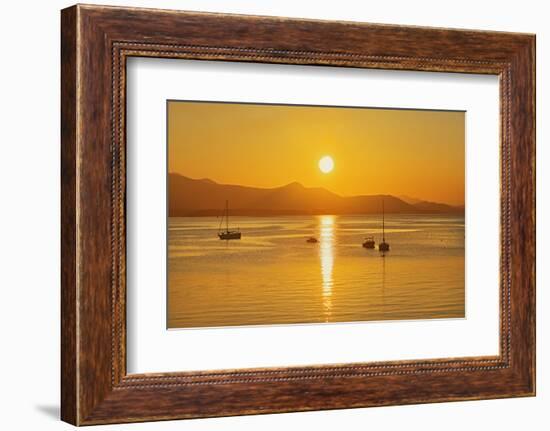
x=227, y=234
x=383, y=246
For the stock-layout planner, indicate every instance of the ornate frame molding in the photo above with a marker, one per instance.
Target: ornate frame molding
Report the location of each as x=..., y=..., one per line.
x=96, y=41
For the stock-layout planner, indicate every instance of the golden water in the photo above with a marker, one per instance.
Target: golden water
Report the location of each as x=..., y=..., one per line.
x=272, y=276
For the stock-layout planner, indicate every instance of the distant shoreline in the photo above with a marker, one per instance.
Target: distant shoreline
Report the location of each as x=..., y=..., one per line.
x=189, y=197
x=244, y=213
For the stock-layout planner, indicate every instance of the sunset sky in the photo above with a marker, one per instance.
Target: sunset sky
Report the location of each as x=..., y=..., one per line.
x=419, y=154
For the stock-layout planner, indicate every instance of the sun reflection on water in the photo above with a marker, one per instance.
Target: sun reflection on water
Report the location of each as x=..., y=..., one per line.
x=326, y=254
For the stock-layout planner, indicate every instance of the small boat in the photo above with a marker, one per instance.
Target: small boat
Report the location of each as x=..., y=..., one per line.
x=369, y=242
x=383, y=246
x=230, y=235
x=312, y=240
x=227, y=234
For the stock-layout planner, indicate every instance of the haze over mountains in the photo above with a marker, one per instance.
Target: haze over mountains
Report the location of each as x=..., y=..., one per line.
x=203, y=197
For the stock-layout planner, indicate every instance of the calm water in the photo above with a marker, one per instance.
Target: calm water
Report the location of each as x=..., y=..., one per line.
x=272, y=276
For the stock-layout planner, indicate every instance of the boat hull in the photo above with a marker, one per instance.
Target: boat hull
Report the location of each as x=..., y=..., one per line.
x=384, y=246
x=229, y=235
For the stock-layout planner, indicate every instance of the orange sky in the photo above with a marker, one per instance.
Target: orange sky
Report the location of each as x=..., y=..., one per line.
x=375, y=151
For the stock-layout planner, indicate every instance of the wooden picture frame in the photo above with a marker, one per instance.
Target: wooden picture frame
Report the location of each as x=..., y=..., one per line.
x=95, y=43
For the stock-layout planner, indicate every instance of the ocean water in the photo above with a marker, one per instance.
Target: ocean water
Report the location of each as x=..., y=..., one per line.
x=272, y=276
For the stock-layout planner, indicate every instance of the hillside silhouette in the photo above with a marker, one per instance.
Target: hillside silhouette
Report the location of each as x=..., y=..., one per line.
x=203, y=197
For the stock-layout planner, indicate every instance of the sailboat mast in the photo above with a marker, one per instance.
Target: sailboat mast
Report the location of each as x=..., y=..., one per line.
x=227, y=216
x=383, y=230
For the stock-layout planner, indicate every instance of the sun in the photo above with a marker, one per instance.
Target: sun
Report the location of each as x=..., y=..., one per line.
x=326, y=164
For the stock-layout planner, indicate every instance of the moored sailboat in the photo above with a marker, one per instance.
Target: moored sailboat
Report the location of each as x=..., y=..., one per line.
x=227, y=234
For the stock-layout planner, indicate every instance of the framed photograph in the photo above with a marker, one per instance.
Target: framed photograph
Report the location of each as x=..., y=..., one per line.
x=266, y=215
x=303, y=214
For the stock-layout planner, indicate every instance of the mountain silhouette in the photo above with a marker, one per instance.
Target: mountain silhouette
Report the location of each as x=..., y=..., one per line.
x=203, y=197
